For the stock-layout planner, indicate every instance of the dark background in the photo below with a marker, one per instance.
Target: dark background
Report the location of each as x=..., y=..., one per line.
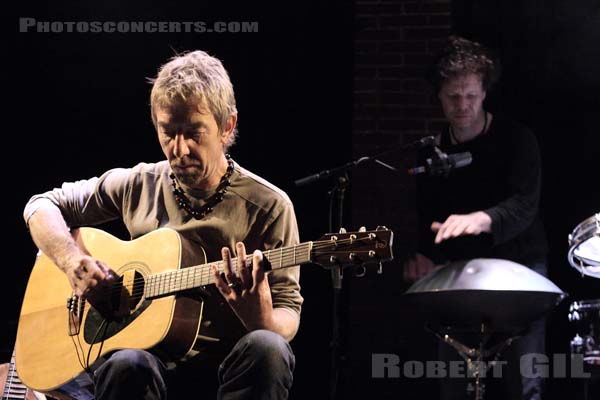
x=78, y=105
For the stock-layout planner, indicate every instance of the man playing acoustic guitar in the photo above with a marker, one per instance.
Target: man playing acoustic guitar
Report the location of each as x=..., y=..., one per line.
x=217, y=207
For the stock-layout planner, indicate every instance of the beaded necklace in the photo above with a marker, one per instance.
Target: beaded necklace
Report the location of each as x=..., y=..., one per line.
x=198, y=213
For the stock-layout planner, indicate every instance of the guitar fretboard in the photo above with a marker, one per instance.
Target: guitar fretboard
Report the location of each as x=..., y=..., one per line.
x=14, y=389
x=172, y=282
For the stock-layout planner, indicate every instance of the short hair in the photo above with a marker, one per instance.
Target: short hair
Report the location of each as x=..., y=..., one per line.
x=196, y=75
x=459, y=57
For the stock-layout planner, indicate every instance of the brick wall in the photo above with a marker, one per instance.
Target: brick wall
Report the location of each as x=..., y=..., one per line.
x=393, y=105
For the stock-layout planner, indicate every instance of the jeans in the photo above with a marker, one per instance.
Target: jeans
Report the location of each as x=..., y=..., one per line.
x=260, y=366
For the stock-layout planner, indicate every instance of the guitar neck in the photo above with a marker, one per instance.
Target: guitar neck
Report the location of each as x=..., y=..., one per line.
x=14, y=389
x=173, y=282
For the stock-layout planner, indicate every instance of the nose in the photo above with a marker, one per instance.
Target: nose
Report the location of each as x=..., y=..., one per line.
x=461, y=103
x=180, y=146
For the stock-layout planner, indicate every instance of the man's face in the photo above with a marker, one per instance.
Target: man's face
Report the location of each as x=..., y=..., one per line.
x=191, y=141
x=462, y=100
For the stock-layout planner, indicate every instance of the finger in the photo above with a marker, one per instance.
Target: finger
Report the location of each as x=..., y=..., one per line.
x=219, y=282
x=81, y=270
x=472, y=230
x=258, y=273
x=229, y=275
x=412, y=270
x=422, y=268
x=445, y=229
x=435, y=226
x=95, y=270
x=107, y=273
x=243, y=270
x=92, y=283
x=458, y=229
x=440, y=233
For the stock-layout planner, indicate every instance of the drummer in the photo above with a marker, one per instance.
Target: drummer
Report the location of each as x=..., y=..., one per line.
x=489, y=208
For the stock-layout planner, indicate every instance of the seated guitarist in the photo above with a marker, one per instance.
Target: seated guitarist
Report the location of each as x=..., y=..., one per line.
x=213, y=203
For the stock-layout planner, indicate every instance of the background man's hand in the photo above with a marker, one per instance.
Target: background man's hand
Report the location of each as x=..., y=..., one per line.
x=417, y=267
x=462, y=224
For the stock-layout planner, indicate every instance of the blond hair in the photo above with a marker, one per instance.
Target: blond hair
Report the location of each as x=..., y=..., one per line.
x=196, y=75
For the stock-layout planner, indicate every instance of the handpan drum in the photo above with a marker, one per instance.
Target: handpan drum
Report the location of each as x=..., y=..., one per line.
x=584, y=247
x=501, y=294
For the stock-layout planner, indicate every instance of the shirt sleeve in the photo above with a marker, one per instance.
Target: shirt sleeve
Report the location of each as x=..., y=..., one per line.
x=516, y=213
x=284, y=283
x=86, y=202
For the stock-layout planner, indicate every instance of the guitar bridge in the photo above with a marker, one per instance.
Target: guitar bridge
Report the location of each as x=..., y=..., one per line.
x=75, y=306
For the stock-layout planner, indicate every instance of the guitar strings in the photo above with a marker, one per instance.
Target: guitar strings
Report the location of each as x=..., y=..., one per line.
x=8, y=387
x=175, y=280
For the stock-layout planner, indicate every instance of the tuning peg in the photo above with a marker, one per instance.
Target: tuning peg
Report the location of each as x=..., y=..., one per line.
x=360, y=271
x=380, y=268
x=342, y=230
x=362, y=229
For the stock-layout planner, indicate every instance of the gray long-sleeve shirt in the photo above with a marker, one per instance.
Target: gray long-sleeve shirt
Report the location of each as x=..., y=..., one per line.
x=252, y=211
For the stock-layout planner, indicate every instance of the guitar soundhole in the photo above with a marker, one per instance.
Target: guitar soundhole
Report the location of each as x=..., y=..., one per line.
x=128, y=292
x=127, y=301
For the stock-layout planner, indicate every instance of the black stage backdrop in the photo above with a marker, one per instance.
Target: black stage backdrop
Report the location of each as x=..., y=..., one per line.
x=78, y=104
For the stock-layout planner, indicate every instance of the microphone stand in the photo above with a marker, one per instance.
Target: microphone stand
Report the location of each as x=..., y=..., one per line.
x=337, y=194
x=337, y=171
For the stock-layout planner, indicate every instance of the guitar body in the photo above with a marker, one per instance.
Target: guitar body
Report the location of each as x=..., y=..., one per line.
x=55, y=342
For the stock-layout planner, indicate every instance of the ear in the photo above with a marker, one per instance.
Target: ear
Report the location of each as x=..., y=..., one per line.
x=229, y=127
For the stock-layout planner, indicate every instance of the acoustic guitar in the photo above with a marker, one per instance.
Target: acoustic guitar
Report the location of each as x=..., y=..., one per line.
x=60, y=335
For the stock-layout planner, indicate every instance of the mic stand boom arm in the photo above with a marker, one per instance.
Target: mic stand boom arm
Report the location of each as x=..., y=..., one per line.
x=337, y=171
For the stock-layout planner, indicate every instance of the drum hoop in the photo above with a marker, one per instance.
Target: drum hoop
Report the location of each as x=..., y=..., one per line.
x=584, y=231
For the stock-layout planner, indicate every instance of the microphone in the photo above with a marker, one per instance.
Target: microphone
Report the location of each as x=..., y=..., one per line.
x=423, y=142
x=441, y=164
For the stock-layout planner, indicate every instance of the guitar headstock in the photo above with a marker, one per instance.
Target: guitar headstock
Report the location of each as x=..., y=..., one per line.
x=353, y=248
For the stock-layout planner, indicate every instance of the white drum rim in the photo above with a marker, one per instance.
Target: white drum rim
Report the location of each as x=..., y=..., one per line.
x=584, y=231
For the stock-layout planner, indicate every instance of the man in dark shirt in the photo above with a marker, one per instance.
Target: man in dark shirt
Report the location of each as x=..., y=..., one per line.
x=488, y=209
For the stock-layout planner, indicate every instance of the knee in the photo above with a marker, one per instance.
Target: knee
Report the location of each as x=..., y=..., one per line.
x=126, y=363
x=268, y=349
